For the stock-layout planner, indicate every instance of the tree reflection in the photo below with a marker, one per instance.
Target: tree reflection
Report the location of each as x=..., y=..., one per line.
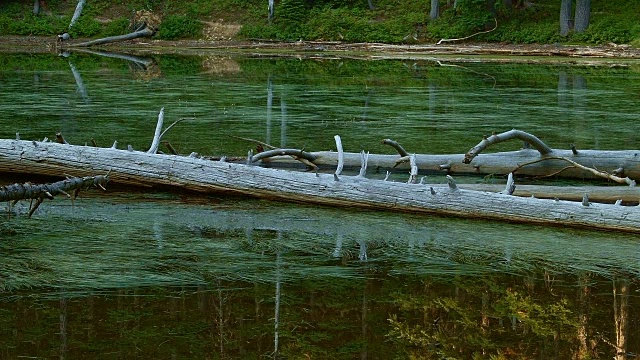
x=509, y=319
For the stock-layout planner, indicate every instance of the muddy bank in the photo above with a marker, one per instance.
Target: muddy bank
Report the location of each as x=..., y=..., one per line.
x=489, y=51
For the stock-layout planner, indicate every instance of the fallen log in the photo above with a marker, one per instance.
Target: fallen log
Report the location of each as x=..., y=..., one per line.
x=500, y=163
x=111, y=39
x=196, y=174
x=542, y=161
x=601, y=194
x=39, y=192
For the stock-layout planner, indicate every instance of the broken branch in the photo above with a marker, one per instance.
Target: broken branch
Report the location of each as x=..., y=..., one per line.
x=395, y=145
x=508, y=135
x=297, y=153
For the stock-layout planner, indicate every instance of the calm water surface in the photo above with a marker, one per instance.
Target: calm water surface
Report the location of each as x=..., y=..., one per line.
x=157, y=275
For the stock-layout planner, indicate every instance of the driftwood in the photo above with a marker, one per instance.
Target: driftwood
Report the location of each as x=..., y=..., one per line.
x=546, y=153
x=541, y=161
x=111, y=39
x=470, y=36
x=141, y=168
x=39, y=192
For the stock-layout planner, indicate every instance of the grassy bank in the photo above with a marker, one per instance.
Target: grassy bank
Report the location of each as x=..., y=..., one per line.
x=403, y=21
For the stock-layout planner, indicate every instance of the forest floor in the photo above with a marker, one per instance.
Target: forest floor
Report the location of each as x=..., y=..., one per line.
x=528, y=52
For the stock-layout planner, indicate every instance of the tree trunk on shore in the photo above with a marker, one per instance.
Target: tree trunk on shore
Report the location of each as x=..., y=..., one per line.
x=583, y=13
x=435, y=9
x=565, y=17
x=147, y=169
x=111, y=39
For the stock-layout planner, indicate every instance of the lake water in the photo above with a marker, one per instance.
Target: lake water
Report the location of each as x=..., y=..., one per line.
x=150, y=274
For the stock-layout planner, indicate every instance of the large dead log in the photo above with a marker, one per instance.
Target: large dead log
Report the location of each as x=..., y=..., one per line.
x=541, y=161
x=111, y=39
x=625, y=162
x=141, y=168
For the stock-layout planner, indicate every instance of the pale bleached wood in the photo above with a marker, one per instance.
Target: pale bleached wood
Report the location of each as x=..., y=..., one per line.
x=499, y=163
x=139, y=168
x=157, y=135
x=340, y=154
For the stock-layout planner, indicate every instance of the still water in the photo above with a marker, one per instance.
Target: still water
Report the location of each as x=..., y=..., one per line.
x=150, y=274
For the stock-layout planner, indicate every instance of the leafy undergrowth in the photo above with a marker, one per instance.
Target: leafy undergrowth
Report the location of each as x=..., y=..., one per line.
x=403, y=21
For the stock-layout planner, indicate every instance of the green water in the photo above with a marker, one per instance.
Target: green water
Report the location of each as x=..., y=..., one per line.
x=145, y=274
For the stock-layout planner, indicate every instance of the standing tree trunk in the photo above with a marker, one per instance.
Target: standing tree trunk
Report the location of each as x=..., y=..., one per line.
x=583, y=11
x=271, y=10
x=565, y=17
x=77, y=13
x=36, y=7
x=371, y=6
x=435, y=9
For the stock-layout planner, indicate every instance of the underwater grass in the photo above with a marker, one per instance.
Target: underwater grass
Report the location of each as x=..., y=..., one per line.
x=105, y=244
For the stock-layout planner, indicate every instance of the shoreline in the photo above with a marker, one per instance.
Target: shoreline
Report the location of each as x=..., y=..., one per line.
x=534, y=53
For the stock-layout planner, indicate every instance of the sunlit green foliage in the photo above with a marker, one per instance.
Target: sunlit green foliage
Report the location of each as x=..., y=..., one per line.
x=176, y=27
x=337, y=20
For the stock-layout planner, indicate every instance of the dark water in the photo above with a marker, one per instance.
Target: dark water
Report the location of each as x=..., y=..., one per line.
x=157, y=275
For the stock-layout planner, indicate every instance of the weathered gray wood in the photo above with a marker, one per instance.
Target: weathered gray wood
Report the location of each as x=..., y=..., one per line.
x=139, y=168
x=601, y=194
x=500, y=163
x=546, y=154
x=77, y=12
x=111, y=39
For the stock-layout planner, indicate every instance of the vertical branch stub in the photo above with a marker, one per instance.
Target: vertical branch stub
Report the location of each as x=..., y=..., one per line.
x=510, y=187
x=414, y=169
x=340, y=154
x=451, y=183
x=156, y=137
x=364, y=158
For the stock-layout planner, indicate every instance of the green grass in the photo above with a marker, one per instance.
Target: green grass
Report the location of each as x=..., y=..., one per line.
x=353, y=21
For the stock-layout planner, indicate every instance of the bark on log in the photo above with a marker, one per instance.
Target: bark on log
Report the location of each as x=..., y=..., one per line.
x=39, y=192
x=546, y=153
x=601, y=194
x=139, y=168
x=500, y=163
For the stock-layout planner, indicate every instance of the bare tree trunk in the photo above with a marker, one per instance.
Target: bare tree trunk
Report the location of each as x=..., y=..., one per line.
x=77, y=13
x=371, y=6
x=110, y=39
x=565, y=17
x=435, y=9
x=36, y=7
x=583, y=12
x=271, y=10
x=136, y=167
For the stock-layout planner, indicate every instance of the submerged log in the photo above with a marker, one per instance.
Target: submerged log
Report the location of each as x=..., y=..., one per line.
x=39, y=192
x=196, y=174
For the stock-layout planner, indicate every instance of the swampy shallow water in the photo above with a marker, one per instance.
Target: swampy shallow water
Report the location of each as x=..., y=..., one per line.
x=151, y=274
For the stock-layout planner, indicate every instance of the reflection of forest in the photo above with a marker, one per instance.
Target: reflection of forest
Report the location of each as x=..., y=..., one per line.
x=340, y=284
x=540, y=315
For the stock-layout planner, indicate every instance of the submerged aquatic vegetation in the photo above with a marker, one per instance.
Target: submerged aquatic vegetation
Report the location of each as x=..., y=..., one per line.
x=98, y=245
